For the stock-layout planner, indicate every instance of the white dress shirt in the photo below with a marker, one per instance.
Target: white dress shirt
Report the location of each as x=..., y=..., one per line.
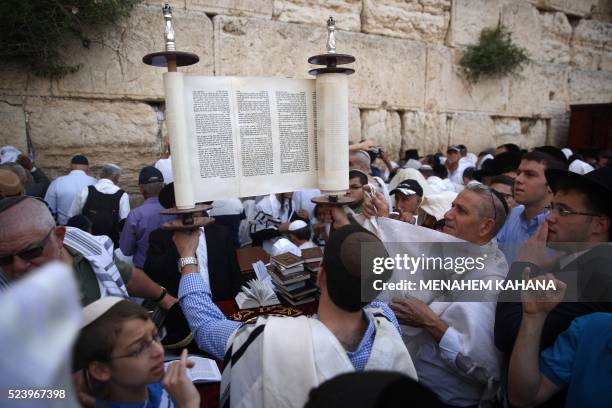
x=165, y=166
x=63, y=190
x=104, y=186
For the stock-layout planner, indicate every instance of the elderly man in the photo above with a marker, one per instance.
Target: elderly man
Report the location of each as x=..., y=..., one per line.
x=281, y=358
x=145, y=219
x=63, y=190
x=454, y=353
x=29, y=238
x=104, y=203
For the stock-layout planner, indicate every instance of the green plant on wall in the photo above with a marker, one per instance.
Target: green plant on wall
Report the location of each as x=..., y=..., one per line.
x=494, y=54
x=33, y=32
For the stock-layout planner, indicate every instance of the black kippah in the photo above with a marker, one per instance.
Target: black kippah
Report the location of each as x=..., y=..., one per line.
x=503, y=201
x=348, y=260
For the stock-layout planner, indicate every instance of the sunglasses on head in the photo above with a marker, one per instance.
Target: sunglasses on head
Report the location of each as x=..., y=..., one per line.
x=28, y=254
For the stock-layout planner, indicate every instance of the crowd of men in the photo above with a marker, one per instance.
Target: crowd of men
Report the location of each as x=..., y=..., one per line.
x=542, y=214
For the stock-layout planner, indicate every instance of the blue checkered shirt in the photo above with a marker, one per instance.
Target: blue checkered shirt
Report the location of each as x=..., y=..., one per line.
x=211, y=329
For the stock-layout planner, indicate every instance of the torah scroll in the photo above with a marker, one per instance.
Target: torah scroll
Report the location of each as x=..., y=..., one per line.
x=243, y=136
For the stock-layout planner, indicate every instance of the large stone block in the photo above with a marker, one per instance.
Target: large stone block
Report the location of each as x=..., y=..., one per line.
x=555, y=37
x=538, y=89
x=426, y=131
x=12, y=124
x=522, y=19
x=13, y=79
x=579, y=8
x=346, y=12
x=426, y=21
x=262, y=8
x=389, y=71
x=354, y=124
x=526, y=133
x=475, y=131
x=112, y=67
x=124, y=133
x=448, y=89
x=469, y=17
x=384, y=127
x=587, y=44
x=590, y=86
x=549, y=4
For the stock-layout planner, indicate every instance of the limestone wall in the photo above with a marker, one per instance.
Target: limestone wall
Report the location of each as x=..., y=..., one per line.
x=408, y=90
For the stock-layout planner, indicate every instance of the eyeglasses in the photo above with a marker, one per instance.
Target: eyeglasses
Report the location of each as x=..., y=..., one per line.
x=564, y=212
x=145, y=347
x=28, y=254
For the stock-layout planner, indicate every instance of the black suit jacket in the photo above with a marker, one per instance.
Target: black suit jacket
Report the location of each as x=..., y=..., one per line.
x=223, y=270
x=591, y=274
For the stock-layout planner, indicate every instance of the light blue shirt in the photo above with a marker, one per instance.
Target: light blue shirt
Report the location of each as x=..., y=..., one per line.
x=516, y=231
x=62, y=191
x=581, y=359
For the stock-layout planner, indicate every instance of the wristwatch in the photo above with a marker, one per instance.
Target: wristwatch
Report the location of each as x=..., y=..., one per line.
x=183, y=262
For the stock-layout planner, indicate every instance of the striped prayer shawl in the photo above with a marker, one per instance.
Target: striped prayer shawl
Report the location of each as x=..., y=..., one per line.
x=98, y=250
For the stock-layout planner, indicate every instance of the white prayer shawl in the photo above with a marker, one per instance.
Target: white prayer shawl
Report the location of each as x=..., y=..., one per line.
x=479, y=359
x=269, y=213
x=40, y=319
x=98, y=250
x=294, y=355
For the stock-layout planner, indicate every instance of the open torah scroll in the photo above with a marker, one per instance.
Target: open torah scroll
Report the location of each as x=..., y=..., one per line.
x=244, y=136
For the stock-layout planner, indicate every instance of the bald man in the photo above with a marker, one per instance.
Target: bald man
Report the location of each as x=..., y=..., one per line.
x=29, y=238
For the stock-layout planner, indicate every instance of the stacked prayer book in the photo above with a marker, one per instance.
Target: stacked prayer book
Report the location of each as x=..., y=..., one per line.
x=293, y=283
x=312, y=261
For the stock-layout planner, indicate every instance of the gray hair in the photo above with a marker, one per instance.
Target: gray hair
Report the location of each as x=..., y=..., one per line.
x=362, y=157
x=492, y=206
x=110, y=170
x=153, y=189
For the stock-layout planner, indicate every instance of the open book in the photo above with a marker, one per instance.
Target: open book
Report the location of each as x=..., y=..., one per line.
x=256, y=294
x=205, y=370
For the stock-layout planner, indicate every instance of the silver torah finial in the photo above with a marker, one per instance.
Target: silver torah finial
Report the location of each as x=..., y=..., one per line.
x=169, y=31
x=331, y=35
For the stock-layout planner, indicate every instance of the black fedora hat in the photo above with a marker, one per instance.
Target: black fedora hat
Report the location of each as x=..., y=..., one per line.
x=166, y=196
x=597, y=182
x=502, y=163
x=167, y=199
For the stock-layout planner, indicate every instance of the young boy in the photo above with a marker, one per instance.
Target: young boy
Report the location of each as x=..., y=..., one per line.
x=122, y=359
